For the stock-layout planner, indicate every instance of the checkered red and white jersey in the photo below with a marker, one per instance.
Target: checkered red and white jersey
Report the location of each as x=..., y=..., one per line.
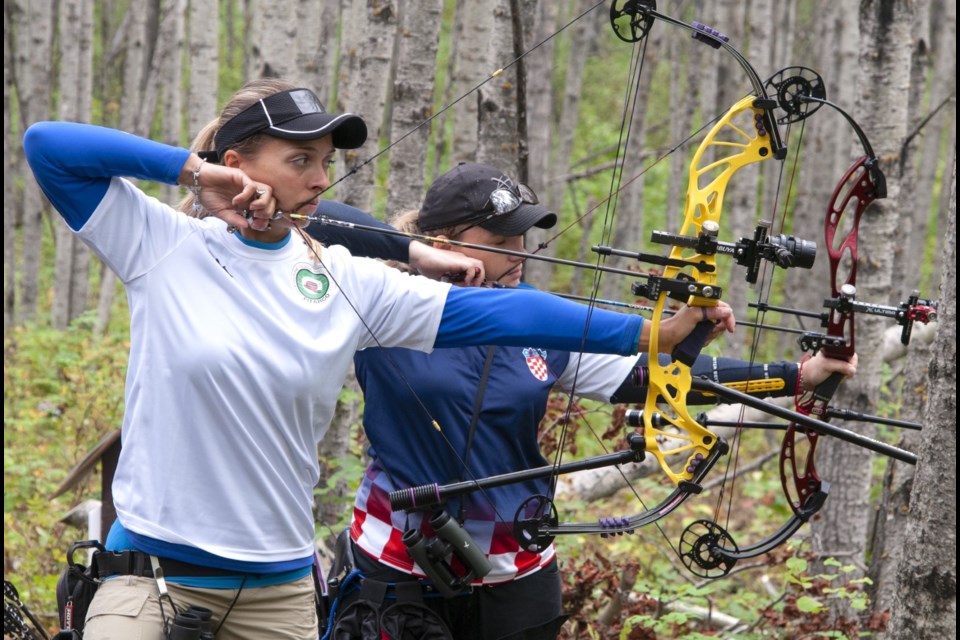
x=379, y=533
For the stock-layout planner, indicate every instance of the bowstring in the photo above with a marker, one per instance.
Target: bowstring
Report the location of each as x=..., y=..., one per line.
x=399, y=371
x=635, y=68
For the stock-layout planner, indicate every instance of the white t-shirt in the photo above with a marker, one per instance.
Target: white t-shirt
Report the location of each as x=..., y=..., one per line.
x=237, y=357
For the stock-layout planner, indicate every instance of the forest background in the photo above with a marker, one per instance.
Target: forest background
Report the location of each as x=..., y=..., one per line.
x=424, y=75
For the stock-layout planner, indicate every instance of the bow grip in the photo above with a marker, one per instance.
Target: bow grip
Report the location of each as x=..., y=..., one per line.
x=691, y=346
x=825, y=390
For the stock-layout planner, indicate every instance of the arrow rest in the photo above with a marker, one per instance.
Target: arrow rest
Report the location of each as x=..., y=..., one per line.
x=697, y=549
x=794, y=86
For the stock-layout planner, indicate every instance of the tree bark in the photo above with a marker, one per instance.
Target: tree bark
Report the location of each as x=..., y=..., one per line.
x=828, y=143
x=34, y=37
x=273, y=34
x=369, y=31
x=413, y=88
x=629, y=202
x=170, y=76
x=11, y=145
x=884, y=64
x=204, y=65
x=135, y=64
x=925, y=605
x=541, y=105
x=475, y=19
x=76, y=93
x=933, y=135
x=327, y=46
x=498, y=144
x=582, y=43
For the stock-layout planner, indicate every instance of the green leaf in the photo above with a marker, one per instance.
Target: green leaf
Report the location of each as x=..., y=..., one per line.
x=809, y=605
x=796, y=565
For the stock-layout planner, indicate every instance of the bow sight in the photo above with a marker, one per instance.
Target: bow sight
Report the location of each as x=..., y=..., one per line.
x=782, y=250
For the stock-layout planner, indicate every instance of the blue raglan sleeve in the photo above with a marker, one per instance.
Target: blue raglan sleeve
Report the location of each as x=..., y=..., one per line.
x=368, y=244
x=527, y=317
x=73, y=164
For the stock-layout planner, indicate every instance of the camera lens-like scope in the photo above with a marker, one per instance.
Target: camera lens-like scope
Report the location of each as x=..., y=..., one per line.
x=791, y=251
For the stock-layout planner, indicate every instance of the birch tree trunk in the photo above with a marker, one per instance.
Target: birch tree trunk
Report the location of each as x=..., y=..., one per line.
x=885, y=66
x=369, y=31
x=170, y=75
x=439, y=128
x=890, y=533
x=925, y=604
x=204, y=65
x=71, y=285
x=308, y=70
x=135, y=64
x=155, y=56
x=413, y=88
x=325, y=76
x=274, y=32
x=828, y=146
x=744, y=203
x=629, y=202
x=34, y=35
x=685, y=85
x=942, y=88
x=498, y=142
x=11, y=143
x=904, y=261
x=472, y=67
x=582, y=46
x=540, y=124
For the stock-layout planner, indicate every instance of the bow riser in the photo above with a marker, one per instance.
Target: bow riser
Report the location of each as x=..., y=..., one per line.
x=708, y=180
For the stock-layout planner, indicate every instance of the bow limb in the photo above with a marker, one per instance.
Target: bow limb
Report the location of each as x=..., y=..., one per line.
x=860, y=186
x=705, y=547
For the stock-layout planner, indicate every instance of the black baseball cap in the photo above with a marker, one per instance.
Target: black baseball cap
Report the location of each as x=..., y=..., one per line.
x=295, y=114
x=463, y=196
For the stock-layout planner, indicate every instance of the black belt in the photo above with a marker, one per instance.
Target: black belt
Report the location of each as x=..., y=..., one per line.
x=137, y=563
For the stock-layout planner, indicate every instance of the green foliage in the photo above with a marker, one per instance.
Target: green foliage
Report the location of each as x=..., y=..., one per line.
x=63, y=391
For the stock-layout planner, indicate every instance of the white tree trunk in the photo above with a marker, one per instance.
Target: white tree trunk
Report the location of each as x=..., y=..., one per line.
x=327, y=45
x=76, y=92
x=541, y=106
x=885, y=66
x=170, y=76
x=412, y=102
x=10, y=143
x=135, y=64
x=926, y=590
x=369, y=31
x=498, y=143
x=204, y=51
x=34, y=35
x=274, y=32
x=473, y=65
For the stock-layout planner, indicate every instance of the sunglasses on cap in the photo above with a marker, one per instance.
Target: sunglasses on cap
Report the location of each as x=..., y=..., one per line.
x=505, y=200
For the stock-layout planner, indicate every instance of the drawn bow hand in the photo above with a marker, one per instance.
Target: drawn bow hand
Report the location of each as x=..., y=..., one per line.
x=229, y=194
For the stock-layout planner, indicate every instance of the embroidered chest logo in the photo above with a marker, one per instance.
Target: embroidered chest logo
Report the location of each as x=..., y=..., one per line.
x=537, y=363
x=313, y=286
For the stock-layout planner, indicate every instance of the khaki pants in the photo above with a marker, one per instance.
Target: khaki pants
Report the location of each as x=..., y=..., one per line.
x=128, y=608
